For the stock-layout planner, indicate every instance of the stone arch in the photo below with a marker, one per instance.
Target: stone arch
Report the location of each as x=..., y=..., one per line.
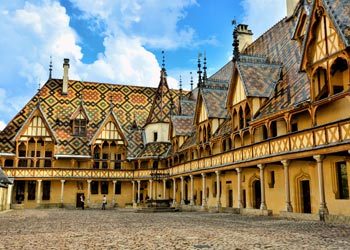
x=298, y=181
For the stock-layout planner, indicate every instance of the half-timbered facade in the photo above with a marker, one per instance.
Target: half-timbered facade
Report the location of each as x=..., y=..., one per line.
x=268, y=133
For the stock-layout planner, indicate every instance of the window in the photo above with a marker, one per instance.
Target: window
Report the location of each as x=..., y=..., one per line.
x=46, y=190
x=48, y=155
x=294, y=127
x=31, y=190
x=155, y=165
x=105, y=163
x=104, y=187
x=273, y=129
x=342, y=181
x=118, y=188
x=79, y=127
x=22, y=162
x=320, y=84
x=8, y=163
x=155, y=136
x=272, y=179
x=94, y=187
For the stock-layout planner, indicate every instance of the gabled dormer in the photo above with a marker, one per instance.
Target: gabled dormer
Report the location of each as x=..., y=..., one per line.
x=79, y=120
x=301, y=26
x=324, y=57
x=254, y=79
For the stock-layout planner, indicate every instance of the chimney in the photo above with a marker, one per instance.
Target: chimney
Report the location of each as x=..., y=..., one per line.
x=65, y=76
x=245, y=36
x=291, y=4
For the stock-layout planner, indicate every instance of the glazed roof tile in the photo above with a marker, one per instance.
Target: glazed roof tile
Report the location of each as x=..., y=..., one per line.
x=155, y=149
x=190, y=142
x=183, y=125
x=215, y=102
x=188, y=107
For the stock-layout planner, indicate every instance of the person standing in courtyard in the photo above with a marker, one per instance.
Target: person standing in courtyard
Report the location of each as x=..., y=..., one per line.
x=104, y=202
x=82, y=201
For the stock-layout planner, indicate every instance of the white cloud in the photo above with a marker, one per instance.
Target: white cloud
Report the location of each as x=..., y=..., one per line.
x=261, y=15
x=2, y=125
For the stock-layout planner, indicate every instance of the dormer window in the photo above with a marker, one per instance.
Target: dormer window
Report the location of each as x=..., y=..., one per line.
x=155, y=136
x=79, y=127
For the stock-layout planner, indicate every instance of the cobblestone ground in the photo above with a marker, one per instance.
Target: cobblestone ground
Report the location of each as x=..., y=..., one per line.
x=121, y=229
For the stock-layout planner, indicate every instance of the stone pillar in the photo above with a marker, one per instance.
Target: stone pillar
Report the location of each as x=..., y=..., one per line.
x=38, y=194
x=151, y=189
x=174, y=192
x=323, y=206
x=182, y=191
x=164, y=188
x=262, y=187
x=204, y=191
x=88, y=193
x=218, y=193
x=239, y=187
x=113, y=194
x=286, y=163
x=138, y=191
x=9, y=197
x=192, y=191
x=133, y=193
x=62, y=191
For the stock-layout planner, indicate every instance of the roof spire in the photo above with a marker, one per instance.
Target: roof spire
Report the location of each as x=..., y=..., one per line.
x=163, y=60
x=205, y=69
x=199, y=71
x=39, y=95
x=235, y=43
x=191, y=81
x=50, y=68
x=180, y=87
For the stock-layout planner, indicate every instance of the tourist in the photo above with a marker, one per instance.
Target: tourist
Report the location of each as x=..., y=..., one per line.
x=104, y=203
x=82, y=201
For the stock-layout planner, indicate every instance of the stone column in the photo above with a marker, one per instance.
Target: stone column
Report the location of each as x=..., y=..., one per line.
x=151, y=189
x=9, y=197
x=182, y=191
x=323, y=206
x=262, y=187
x=164, y=188
x=138, y=191
x=218, y=194
x=204, y=191
x=133, y=193
x=192, y=191
x=39, y=193
x=286, y=163
x=239, y=187
x=113, y=194
x=62, y=191
x=174, y=192
x=89, y=193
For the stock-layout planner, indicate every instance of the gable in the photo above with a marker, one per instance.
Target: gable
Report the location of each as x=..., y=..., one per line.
x=203, y=114
x=238, y=92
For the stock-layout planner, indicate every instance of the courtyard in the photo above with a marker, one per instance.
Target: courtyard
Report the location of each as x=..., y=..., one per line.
x=125, y=229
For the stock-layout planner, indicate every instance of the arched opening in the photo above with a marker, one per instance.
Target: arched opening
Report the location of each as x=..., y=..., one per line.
x=247, y=140
x=209, y=132
x=260, y=133
x=339, y=76
x=241, y=118
x=256, y=194
x=248, y=115
x=237, y=141
x=235, y=120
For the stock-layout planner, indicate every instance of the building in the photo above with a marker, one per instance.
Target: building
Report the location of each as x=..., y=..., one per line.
x=266, y=134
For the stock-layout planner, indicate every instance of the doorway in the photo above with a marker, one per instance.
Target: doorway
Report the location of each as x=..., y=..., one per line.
x=305, y=197
x=256, y=194
x=78, y=202
x=230, y=198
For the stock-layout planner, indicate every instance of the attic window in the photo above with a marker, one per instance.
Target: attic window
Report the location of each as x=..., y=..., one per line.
x=79, y=127
x=155, y=136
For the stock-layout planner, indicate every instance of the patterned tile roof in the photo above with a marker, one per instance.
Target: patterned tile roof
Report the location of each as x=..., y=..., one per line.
x=3, y=179
x=224, y=129
x=277, y=46
x=163, y=103
x=129, y=103
x=155, y=149
x=188, y=107
x=190, y=142
x=224, y=74
x=215, y=102
x=183, y=125
x=259, y=79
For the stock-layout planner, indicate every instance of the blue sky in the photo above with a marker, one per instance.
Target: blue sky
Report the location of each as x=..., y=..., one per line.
x=118, y=41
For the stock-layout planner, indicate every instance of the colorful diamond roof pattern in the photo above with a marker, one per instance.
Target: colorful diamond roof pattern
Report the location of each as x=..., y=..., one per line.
x=155, y=150
x=183, y=125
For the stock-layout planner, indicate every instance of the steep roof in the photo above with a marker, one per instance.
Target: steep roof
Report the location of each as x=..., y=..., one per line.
x=183, y=125
x=163, y=103
x=155, y=150
x=215, y=102
x=129, y=102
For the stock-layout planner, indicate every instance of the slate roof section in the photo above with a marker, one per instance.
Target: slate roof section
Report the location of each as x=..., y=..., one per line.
x=129, y=103
x=259, y=79
x=188, y=107
x=3, y=179
x=215, y=102
x=224, y=129
x=155, y=150
x=277, y=46
x=224, y=74
x=183, y=125
x=190, y=142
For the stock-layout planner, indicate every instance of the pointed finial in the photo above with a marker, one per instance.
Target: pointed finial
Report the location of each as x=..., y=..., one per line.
x=199, y=71
x=205, y=69
x=191, y=81
x=50, y=68
x=39, y=94
x=180, y=87
x=235, y=43
x=163, y=60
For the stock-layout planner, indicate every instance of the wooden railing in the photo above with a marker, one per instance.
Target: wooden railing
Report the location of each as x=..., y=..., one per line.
x=329, y=135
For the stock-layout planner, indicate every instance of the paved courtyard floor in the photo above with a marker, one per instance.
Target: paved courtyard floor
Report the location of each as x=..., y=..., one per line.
x=122, y=229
